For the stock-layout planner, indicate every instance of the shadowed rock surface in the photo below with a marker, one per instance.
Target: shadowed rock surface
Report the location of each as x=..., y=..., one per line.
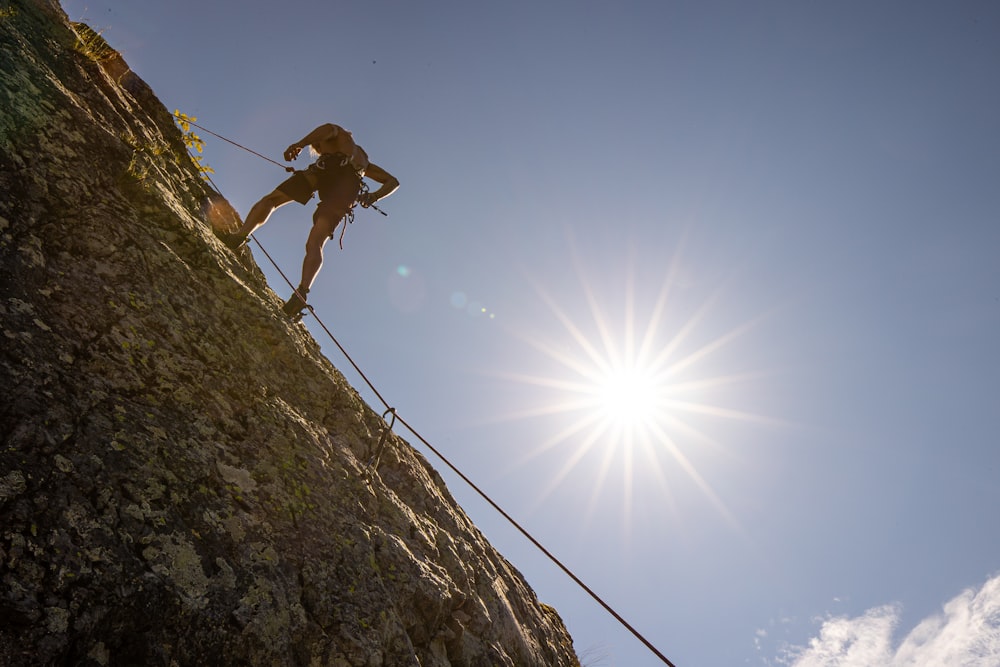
x=182, y=476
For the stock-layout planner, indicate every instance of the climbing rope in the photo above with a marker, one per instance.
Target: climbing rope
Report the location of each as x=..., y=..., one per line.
x=364, y=187
x=579, y=582
x=249, y=150
x=387, y=428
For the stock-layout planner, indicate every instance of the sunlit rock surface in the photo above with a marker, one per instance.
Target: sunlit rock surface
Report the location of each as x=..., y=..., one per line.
x=182, y=473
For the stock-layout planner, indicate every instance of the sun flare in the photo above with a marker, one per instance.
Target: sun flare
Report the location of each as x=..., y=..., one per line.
x=633, y=395
x=627, y=396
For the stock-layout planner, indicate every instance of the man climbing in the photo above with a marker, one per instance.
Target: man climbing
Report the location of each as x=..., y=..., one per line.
x=337, y=176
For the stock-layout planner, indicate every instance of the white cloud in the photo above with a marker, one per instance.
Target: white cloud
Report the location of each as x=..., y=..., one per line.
x=965, y=634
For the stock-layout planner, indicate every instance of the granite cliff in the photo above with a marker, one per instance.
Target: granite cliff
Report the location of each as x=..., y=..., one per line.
x=182, y=472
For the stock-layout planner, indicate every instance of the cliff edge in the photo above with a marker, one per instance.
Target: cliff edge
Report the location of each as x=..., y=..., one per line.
x=182, y=473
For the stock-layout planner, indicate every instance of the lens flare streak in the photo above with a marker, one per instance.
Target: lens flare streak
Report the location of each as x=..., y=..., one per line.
x=635, y=396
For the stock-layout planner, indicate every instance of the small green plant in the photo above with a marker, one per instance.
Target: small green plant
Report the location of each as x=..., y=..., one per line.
x=143, y=154
x=7, y=13
x=91, y=44
x=192, y=141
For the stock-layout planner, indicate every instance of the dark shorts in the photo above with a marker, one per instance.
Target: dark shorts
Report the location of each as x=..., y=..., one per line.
x=298, y=187
x=338, y=188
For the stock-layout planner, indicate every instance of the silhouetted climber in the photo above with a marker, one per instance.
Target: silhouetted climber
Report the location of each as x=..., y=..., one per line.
x=337, y=176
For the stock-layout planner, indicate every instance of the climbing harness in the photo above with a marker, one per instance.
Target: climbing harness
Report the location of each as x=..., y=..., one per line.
x=334, y=160
x=348, y=218
x=374, y=460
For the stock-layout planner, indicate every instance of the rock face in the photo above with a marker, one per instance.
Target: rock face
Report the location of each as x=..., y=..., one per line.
x=182, y=473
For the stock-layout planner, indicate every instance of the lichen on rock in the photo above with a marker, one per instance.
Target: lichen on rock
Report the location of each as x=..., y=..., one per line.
x=182, y=473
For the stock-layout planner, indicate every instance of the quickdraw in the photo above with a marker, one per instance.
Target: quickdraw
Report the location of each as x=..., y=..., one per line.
x=386, y=430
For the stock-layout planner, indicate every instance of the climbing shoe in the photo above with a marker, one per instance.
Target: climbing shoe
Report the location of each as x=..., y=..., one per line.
x=232, y=240
x=295, y=305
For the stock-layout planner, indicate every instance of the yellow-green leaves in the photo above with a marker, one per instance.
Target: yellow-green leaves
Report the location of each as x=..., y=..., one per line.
x=192, y=141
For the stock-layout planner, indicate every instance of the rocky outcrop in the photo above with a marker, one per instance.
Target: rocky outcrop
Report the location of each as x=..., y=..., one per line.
x=182, y=473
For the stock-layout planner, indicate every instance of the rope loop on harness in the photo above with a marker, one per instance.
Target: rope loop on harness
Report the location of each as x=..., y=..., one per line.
x=348, y=218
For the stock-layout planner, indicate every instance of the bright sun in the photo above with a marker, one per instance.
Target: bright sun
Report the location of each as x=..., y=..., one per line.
x=633, y=393
x=628, y=396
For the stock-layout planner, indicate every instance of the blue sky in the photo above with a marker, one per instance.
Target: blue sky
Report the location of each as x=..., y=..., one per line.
x=782, y=217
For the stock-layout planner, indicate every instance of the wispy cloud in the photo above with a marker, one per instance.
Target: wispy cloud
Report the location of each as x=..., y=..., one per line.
x=965, y=634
